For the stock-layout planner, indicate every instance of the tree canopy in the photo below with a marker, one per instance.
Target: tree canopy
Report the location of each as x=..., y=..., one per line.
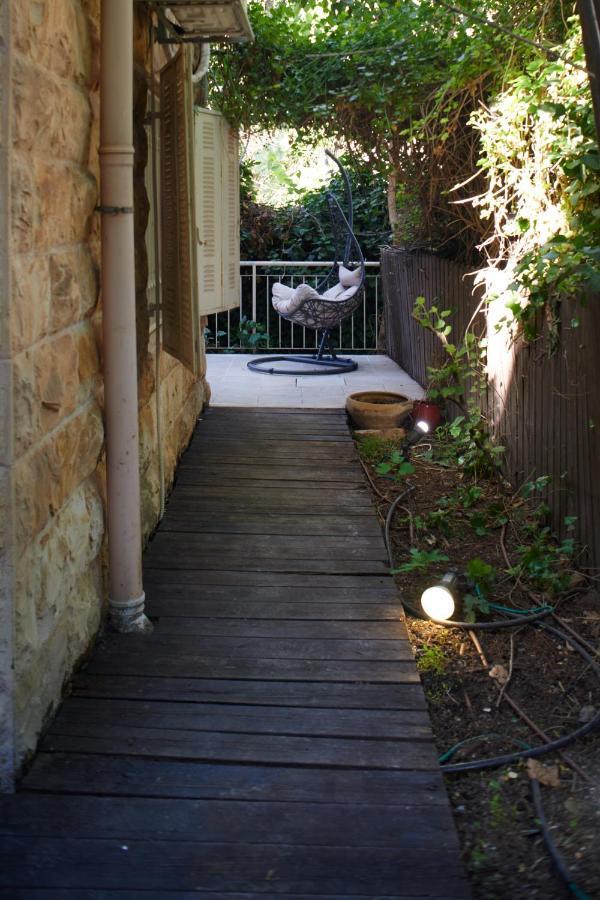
x=473, y=114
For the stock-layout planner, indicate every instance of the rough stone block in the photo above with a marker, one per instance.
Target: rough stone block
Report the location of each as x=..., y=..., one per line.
x=67, y=197
x=42, y=674
x=47, y=475
x=55, y=33
x=30, y=302
x=25, y=206
x=46, y=388
x=49, y=116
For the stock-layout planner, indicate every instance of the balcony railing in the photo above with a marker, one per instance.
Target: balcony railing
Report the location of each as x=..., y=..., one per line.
x=231, y=331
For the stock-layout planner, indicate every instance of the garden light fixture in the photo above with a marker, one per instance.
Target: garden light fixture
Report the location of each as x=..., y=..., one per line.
x=420, y=428
x=439, y=600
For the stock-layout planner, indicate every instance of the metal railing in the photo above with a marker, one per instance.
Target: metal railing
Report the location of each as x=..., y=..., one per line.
x=230, y=330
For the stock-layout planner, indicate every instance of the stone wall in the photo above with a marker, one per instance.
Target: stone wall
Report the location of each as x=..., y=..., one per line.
x=58, y=447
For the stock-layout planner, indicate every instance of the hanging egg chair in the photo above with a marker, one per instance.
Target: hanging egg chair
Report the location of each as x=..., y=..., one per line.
x=325, y=306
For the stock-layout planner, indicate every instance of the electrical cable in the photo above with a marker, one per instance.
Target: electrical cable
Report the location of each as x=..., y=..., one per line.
x=557, y=859
x=519, y=617
x=557, y=744
x=450, y=623
x=539, y=810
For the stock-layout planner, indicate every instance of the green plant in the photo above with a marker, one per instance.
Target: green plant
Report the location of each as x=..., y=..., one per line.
x=395, y=466
x=250, y=334
x=461, y=379
x=373, y=448
x=539, y=151
x=213, y=340
x=432, y=659
x=421, y=560
x=542, y=561
x=482, y=574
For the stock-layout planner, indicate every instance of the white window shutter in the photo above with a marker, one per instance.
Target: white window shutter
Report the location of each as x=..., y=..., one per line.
x=231, y=217
x=179, y=309
x=208, y=164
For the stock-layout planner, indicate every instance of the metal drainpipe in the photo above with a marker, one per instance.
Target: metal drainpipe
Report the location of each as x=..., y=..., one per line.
x=126, y=594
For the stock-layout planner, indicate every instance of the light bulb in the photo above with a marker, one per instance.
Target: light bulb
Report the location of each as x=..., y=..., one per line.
x=437, y=602
x=422, y=425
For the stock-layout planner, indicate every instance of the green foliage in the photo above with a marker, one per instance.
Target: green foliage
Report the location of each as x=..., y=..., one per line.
x=374, y=449
x=461, y=379
x=482, y=574
x=395, y=466
x=432, y=659
x=542, y=562
x=474, y=604
x=540, y=156
x=303, y=230
x=251, y=335
x=421, y=560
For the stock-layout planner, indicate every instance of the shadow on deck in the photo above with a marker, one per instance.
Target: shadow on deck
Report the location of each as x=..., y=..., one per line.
x=270, y=737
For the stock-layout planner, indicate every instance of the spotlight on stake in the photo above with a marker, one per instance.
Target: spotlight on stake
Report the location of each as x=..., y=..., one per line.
x=439, y=600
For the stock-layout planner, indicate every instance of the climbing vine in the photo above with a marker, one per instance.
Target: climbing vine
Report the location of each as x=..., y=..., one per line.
x=477, y=116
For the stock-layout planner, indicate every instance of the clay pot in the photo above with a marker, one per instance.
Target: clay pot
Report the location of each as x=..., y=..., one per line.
x=377, y=409
x=428, y=412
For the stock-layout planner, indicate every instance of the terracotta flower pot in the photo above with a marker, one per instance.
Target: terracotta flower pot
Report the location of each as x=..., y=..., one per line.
x=377, y=409
x=427, y=412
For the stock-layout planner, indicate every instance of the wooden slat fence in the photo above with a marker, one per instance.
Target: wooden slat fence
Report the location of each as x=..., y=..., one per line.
x=545, y=410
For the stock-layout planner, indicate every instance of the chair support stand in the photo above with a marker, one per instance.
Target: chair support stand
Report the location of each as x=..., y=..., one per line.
x=323, y=362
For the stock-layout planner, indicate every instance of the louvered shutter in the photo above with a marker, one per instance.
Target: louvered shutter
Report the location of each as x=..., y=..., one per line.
x=208, y=160
x=176, y=190
x=231, y=216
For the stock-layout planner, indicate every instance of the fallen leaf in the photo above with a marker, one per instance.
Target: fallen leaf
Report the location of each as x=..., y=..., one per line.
x=499, y=674
x=547, y=775
x=586, y=714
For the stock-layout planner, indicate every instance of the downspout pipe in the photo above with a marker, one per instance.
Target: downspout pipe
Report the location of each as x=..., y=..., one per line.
x=126, y=593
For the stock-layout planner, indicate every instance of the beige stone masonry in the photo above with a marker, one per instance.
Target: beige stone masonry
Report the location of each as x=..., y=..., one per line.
x=52, y=352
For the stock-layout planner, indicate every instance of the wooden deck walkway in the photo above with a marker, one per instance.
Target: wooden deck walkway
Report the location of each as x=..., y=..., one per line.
x=270, y=738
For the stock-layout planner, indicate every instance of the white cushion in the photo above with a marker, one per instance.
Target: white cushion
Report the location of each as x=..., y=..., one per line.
x=334, y=292
x=349, y=278
x=287, y=300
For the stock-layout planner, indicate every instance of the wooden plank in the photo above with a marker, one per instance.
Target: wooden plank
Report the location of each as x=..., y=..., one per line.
x=343, y=586
x=247, y=596
x=275, y=497
x=85, y=894
x=200, y=522
x=285, y=627
x=171, y=610
x=203, y=563
x=322, y=437
x=140, y=663
x=269, y=546
x=124, y=775
x=273, y=450
x=257, y=453
x=202, y=472
x=214, y=821
x=271, y=749
x=251, y=867
x=195, y=647
x=310, y=694
x=78, y=713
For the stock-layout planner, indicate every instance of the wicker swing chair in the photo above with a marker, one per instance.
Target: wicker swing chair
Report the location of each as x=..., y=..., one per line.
x=335, y=298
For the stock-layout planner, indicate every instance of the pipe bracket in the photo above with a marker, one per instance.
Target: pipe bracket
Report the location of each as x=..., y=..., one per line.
x=114, y=210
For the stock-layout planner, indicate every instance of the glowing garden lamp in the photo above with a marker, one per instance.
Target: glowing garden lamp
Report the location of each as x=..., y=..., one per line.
x=439, y=600
x=421, y=427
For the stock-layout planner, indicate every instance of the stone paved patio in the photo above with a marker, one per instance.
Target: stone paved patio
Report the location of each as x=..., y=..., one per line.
x=233, y=384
